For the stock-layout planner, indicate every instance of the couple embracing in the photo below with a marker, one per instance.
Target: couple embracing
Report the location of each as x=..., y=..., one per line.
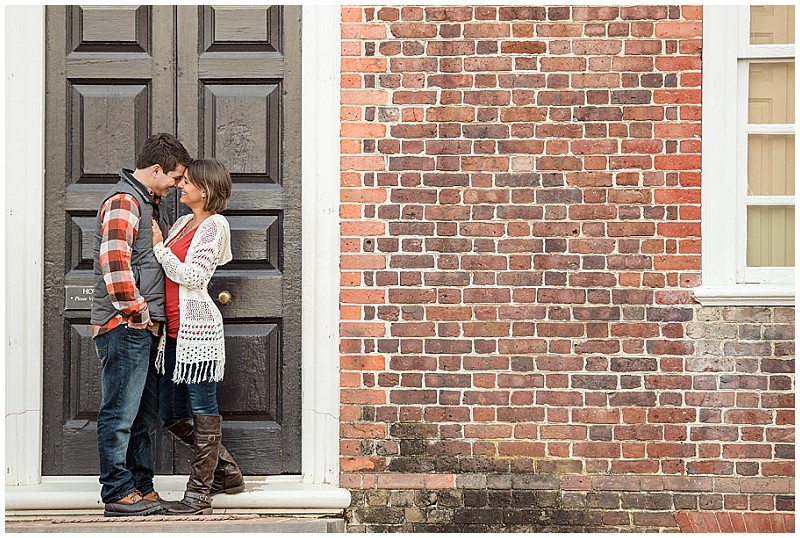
x=158, y=334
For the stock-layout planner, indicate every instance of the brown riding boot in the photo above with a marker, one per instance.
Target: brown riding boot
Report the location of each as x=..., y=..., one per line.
x=227, y=475
x=183, y=430
x=207, y=440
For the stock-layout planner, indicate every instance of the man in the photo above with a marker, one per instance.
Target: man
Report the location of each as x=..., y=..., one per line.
x=127, y=317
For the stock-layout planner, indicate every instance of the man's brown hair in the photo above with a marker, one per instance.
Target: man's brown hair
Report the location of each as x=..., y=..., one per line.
x=213, y=178
x=162, y=149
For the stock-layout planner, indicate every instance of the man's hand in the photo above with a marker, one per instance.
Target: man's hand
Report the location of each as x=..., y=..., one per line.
x=157, y=237
x=143, y=320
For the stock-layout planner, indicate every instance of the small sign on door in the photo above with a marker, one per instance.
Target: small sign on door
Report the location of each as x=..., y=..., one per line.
x=78, y=297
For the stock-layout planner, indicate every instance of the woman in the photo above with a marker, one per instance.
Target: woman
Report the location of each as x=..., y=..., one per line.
x=193, y=352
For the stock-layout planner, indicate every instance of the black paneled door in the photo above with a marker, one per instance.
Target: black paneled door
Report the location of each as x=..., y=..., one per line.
x=226, y=81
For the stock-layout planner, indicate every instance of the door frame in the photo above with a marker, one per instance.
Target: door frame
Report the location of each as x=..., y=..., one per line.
x=316, y=489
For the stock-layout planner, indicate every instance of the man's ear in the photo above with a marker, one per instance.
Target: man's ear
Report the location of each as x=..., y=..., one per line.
x=155, y=169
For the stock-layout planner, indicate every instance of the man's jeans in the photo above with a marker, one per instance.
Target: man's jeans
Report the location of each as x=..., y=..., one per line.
x=128, y=411
x=182, y=400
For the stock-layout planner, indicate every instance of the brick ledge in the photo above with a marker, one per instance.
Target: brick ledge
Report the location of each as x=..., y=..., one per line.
x=734, y=522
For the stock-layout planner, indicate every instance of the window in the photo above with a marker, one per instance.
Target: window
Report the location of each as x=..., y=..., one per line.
x=748, y=155
x=766, y=131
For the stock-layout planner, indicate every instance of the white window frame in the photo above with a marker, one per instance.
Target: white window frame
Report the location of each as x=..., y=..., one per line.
x=726, y=279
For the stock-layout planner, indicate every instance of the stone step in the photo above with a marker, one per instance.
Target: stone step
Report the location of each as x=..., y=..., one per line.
x=213, y=523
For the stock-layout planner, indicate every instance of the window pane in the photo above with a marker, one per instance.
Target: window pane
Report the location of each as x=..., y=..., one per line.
x=770, y=165
x=770, y=236
x=771, y=25
x=771, y=97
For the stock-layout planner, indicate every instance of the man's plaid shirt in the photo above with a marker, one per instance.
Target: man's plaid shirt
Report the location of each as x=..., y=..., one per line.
x=119, y=219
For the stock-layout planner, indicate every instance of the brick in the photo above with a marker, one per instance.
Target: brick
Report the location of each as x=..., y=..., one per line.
x=410, y=65
x=630, y=229
x=363, y=65
x=644, y=47
x=714, y=467
x=678, y=29
x=737, y=521
x=523, y=47
x=748, y=416
x=596, y=449
x=451, y=48
x=523, y=114
x=488, y=64
x=595, y=80
x=631, y=97
x=643, y=12
x=765, y=485
x=633, y=398
x=412, y=30
x=522, y=13
x=777, y=468
x=448, y=14
x=634, y=329
x=595, y=13
x=676, y=415
x=485, y=163
x=684, y=522
x=596, y=416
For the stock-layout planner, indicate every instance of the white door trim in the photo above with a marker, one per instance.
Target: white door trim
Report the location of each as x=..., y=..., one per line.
x=321, y=38
x=24, y=231
x=316, y=490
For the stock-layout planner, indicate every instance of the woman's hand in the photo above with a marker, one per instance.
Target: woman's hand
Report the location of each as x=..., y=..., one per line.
x=157, y=237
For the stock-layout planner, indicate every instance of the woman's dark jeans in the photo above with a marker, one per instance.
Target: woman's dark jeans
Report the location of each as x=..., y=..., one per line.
x=182, y=400
x=128, y=411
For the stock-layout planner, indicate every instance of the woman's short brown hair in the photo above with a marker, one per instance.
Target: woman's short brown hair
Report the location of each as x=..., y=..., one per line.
x=213, y=178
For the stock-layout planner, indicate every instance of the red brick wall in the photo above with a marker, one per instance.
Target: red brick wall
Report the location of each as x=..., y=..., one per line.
x=520, y=236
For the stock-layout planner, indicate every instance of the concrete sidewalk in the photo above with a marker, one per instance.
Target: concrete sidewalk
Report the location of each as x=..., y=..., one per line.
x=213, y=523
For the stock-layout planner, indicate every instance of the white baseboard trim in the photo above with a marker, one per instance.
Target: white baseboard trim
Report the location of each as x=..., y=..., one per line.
x=263, y=495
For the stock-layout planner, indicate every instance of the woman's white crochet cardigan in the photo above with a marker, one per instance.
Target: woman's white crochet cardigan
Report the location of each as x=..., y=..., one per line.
x=200, y=354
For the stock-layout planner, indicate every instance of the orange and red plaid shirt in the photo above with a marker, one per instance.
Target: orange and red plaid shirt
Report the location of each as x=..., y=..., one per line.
x=119, y=217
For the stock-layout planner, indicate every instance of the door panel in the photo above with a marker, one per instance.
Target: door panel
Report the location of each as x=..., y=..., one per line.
x=227, y=85
x=247, y=396
x=110, y=29
x=85, y=382
x=239, y=28
x=238, y=120
x=233, y=102
x=106, y=91
x=99, y=109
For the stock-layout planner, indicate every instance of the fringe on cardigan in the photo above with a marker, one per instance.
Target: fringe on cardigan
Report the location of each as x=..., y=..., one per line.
x=190, y=372
x=162, y=344
x=198, y=372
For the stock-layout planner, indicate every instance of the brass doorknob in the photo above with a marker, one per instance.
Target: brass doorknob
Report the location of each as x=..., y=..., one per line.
x=224, y=297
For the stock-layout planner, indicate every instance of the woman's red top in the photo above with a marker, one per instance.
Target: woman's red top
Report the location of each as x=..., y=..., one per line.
x=179, y=248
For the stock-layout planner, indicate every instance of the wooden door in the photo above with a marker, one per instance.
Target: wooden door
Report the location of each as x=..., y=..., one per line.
x=225, y=80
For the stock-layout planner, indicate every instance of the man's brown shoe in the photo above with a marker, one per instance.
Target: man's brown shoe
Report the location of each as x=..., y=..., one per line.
x=132, y=504
x=154, y=496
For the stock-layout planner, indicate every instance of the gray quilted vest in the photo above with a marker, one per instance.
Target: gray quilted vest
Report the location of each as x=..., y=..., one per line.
x=147, y=271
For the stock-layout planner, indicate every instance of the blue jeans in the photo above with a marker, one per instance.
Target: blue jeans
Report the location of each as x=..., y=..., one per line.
x=182, y=400
x=128, y=411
